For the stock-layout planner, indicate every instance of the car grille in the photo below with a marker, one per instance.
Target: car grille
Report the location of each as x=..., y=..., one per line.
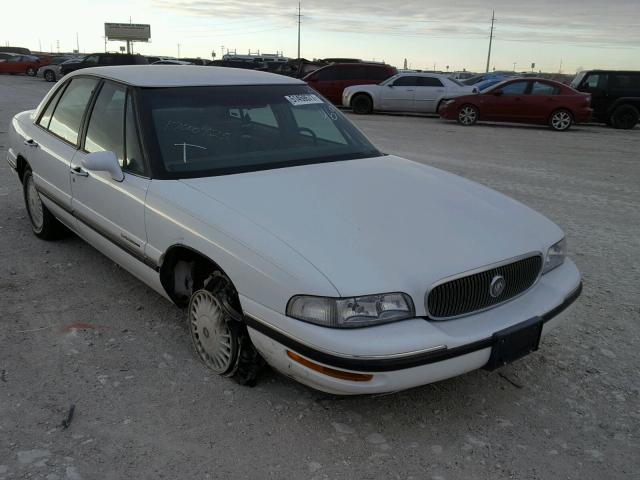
x=468, y=294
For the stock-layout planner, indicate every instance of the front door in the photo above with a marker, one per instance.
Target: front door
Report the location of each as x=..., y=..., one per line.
x=114, y=209
x=398, y=94
x=506, y=103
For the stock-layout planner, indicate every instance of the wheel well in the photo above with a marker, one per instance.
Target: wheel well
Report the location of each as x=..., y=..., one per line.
x=183, y=271
x=22, y=166
x=360, y=94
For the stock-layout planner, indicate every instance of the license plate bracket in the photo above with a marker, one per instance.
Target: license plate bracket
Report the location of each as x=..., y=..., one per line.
x=515, y=342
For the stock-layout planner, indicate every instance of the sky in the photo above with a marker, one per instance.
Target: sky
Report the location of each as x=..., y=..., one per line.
x=567, y=34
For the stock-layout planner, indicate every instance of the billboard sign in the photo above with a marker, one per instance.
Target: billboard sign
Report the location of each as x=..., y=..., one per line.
x=138, y=32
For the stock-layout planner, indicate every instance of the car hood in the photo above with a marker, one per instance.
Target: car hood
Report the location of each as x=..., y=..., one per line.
x=385, y=223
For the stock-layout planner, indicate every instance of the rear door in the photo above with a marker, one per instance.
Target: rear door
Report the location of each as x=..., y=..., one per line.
x=543, y=99
x=56, y=139
x=398, y=95
x=113, y=209
x=427, y=93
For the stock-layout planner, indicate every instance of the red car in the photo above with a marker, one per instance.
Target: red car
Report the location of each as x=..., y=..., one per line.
x=29, y=64
x=522, y=100
x=331, y=80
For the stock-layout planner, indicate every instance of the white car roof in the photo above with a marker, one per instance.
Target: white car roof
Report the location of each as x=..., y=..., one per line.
x=185, y=76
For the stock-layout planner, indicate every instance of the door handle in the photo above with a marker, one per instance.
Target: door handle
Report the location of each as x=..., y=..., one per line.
x=78, y=171
x=31, y=143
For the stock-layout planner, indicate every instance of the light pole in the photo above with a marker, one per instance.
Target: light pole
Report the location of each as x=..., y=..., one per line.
x=514, y=66
x=178, y=50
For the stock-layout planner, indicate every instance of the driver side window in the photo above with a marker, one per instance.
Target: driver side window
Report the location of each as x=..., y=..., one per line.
x=515, y=88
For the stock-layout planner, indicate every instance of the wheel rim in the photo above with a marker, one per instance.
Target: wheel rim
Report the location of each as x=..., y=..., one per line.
x=468, y=115
x=49, y=75
x=34, y=205
x=30, y=72
x=210, y=332
x=361, y=105
x=561, y=120
x=626, y=120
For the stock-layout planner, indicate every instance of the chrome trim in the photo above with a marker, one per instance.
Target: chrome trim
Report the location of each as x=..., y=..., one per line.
x=480, y=270
x=343, y=355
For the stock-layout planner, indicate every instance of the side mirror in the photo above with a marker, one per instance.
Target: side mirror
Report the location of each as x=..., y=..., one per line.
x=498, y=92
x=103, y=162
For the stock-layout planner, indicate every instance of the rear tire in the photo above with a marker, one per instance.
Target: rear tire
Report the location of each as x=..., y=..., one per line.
x=49, y=76
x=362, y=104
x=31, y=72
x=561, y=120
x=43, y=223
x=468, y=115
x=625, y=117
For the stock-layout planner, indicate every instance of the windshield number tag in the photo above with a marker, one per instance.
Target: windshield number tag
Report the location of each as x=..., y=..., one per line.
x=297, y=100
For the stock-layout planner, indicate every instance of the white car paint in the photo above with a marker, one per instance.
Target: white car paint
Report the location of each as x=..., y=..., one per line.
x=339, y=229
x=394, y=95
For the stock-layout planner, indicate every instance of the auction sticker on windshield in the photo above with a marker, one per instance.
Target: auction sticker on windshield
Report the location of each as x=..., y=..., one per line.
x=309, y=99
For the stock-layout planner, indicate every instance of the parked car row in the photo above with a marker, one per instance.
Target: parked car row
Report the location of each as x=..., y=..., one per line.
x=611, y=97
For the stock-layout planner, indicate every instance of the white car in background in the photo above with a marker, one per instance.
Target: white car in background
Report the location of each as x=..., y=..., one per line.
x=254, y=204
x=405, y=92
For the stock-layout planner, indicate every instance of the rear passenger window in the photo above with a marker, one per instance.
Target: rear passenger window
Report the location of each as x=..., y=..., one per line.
x=430, y=82
x=68, y=114
x=540, y=88
x=46, y=116
x=106, y=126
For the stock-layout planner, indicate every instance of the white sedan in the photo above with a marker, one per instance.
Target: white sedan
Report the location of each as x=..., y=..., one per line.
x=405, y=92
x=288, y=237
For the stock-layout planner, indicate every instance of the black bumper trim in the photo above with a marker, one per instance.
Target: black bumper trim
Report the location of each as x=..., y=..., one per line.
x=390, y=364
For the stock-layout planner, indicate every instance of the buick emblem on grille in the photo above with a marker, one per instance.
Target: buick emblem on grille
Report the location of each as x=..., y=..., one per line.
x=497, y=286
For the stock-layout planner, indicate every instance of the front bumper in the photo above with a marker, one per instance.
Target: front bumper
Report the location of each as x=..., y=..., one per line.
x=404, y=354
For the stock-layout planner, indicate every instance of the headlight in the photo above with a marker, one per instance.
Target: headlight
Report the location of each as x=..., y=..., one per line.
x=555, y=256
x=351, y=312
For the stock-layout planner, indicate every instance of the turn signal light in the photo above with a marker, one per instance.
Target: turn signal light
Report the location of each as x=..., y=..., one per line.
x=331, y=372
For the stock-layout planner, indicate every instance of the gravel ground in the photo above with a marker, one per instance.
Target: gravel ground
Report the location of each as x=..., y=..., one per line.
x=77, y=329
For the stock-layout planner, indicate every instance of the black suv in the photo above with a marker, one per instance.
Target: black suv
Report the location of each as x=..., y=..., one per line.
x=615, y=96
x=103, y=60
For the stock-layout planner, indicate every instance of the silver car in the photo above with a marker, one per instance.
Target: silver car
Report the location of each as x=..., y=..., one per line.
x=51, y=72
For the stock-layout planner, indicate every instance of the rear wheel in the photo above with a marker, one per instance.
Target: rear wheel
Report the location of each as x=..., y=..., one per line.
x=362, y=104
x=467, y=115
x=49, y=76
x=31, y=71
x=43, y=223
x=561, y=120
x=219, y=335
x=625, y=117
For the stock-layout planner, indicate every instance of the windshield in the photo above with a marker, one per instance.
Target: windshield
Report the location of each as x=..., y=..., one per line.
x=207, y=131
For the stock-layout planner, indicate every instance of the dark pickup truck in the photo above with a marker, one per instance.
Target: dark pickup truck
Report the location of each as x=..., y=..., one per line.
x=615, y=96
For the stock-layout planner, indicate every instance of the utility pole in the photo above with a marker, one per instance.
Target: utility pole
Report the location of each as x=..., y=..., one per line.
x=178, y=50
x=58, y=45
x=493, y=19
x=77, y=43
x=299, y=30
x=514, y=66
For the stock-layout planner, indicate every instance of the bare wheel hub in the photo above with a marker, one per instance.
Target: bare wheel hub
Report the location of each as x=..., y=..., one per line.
x=214, y=341
x=34, y=204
